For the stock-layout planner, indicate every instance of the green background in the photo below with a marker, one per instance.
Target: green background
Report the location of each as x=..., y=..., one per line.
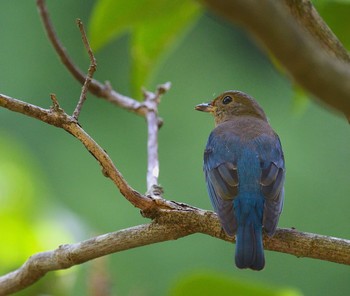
x=52, y=190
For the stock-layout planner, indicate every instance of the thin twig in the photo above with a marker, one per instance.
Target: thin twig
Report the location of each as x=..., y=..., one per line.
x=97, y=88
x=55, y=105
x=86, y=43
x=151, y=101
x=91, y=71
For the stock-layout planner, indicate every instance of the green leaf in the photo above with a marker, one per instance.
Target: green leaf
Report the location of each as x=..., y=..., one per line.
x=155, y=25
x=208, y=283
x=151, y=39
x=110, y=18
x=300, y=100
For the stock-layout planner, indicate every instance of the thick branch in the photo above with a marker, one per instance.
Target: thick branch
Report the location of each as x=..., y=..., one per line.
x=305, y=13
x=170, y=225
x=314, y=69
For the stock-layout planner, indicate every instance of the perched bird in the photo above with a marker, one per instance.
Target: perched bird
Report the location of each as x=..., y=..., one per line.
x=244, y=172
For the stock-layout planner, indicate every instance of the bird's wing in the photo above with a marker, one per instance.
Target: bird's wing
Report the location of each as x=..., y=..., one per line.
x=220, y=167
x=222, y=180
x=272, y=179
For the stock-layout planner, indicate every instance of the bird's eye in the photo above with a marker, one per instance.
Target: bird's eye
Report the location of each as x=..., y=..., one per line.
x=226, y=100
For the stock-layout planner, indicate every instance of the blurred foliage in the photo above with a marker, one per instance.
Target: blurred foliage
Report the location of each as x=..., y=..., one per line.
x=50, y=169
x=300, y=100
x=209, y=283
x=28, y=224
x=154, y=25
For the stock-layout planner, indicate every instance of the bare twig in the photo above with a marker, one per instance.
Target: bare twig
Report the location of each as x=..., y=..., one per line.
x=151, y=101
x=91, y=71
x=100, y=90
x=313, y=68
x=87, y=44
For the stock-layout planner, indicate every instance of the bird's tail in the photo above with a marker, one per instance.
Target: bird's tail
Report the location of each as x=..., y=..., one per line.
x=249, y=246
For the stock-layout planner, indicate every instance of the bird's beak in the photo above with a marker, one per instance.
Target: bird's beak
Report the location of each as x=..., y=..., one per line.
x=205, y=107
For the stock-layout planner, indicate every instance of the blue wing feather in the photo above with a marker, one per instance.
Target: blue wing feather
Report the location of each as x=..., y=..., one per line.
x=272, y=181
x=222, y=182
x=224, y=209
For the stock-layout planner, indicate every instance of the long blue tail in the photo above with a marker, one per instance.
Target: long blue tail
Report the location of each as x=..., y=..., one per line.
x=249, y=246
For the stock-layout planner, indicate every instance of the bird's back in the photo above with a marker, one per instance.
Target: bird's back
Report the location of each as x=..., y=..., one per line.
x=249, y=147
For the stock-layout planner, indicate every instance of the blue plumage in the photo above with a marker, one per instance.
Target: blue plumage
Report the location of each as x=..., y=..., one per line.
x=244, y=172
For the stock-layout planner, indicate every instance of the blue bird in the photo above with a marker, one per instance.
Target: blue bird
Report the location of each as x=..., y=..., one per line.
x=244, y=172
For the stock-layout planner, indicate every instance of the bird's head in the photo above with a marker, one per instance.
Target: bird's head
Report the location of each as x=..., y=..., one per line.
x=231, y=104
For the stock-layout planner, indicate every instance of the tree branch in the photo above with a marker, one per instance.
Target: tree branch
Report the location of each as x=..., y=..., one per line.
x=307, y=16
x=315, y=69
x=169, y=226
x=69, y=255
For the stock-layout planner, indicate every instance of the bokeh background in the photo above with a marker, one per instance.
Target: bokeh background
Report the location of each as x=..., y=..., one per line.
x=52, y=191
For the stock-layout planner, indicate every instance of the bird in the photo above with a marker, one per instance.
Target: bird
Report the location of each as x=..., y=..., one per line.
x=244, y=171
